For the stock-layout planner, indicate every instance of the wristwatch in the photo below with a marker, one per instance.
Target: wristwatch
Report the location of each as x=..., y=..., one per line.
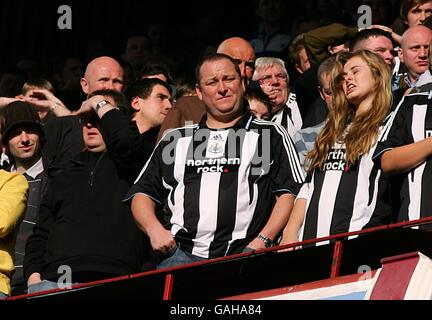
x=100, y=105
x=267, y=241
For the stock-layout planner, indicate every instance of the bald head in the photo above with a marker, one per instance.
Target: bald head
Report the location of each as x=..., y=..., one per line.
x=240, y=50
x=415, y=34
x=414, y=51
x=102, y=73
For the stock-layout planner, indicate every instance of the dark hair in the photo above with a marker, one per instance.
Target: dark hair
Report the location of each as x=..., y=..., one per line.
x=143, y=88
x=366, y=34
x=294, y=49
x=254, y=92
x=151, y=69
x=214, y=57
x=407, y=5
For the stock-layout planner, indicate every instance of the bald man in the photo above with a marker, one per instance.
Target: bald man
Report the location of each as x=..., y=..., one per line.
x=414, y=51
x=242, y=52
x=102, y=73
x=190, y=109
x=64, y=137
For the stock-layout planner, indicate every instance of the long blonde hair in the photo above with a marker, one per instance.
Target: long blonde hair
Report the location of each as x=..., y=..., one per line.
x=362, y=132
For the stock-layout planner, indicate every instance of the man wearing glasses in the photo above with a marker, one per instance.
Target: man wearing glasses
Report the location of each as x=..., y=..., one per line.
x=273, y=78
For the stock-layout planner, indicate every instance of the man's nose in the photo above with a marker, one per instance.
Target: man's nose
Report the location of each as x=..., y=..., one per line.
x=24, y=137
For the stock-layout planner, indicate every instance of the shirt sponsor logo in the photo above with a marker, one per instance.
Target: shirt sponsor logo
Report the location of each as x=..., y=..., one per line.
x=335, y=160
x=219, y=165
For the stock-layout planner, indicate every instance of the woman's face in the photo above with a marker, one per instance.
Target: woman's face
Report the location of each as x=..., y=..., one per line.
x=358, y=81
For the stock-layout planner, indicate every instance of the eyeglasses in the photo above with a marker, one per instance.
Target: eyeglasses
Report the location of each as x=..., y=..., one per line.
x=268, y=79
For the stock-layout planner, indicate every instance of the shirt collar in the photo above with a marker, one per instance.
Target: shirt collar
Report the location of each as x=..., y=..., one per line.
x=33, y=171
x=4, y=159
x=423, y=79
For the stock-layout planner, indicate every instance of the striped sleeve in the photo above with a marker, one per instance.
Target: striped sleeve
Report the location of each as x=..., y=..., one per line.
x=395, y=134
x=287, y=174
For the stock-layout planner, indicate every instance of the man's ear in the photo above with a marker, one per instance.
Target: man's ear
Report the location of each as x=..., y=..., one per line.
x=401, y=55
x=198, y=92
x=135, y=103
x=84, y=85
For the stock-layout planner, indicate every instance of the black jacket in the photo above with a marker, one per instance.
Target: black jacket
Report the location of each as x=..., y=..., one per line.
x=84, y=224
x=129, y=148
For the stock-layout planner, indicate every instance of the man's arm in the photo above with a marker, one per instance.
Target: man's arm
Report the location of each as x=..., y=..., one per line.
x=144, y=213
x=318, y=40
x=91, y=105
x=291, y=230
x=36, y=244
x=48, y=102
x=129, y=148
x=277, y=221
x=13, y=198
x=405, y=158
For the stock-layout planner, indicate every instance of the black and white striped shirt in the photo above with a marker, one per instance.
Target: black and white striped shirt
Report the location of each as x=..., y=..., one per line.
x=412, y=122
x=344, y=199
x=220, y=185
x=289, y=116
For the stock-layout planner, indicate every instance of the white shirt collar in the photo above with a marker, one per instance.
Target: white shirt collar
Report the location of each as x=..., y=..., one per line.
x=424, y=78
x=4, y=159
x=34, y=170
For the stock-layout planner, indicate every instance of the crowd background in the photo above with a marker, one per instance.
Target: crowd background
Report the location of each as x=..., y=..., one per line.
x=180, y=31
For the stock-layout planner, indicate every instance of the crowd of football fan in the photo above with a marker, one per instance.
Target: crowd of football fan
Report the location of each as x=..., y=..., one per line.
x=299, y=133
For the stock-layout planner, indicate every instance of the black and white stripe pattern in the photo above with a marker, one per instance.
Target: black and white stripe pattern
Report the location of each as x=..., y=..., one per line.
x=411, y=123
x=216, y=210
x=341, y=199
x=289, y=116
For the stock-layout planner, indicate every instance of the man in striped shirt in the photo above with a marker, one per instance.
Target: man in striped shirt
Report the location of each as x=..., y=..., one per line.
x=405, y=148
x=273, y=78
x=229, y=182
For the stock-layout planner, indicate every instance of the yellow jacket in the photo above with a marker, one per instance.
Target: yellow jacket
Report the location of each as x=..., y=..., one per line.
x=13, y=198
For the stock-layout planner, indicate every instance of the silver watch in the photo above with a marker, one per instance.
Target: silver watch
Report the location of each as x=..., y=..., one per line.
x=100, y=105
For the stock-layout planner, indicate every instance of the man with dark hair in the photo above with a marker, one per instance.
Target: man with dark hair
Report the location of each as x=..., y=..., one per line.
x=375, y=40
x=415, y=12
x=133, y=137
x=219, y=178
x=298, y=55
x=83, y=222
x=137, y=50
x=22, y=140
x=189, y=108
x=149, y=102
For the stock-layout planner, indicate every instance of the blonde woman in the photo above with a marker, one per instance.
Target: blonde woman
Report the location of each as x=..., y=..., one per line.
x=344, y=190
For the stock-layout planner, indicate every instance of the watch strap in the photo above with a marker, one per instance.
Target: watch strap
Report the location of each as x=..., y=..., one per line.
x=267, y=241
